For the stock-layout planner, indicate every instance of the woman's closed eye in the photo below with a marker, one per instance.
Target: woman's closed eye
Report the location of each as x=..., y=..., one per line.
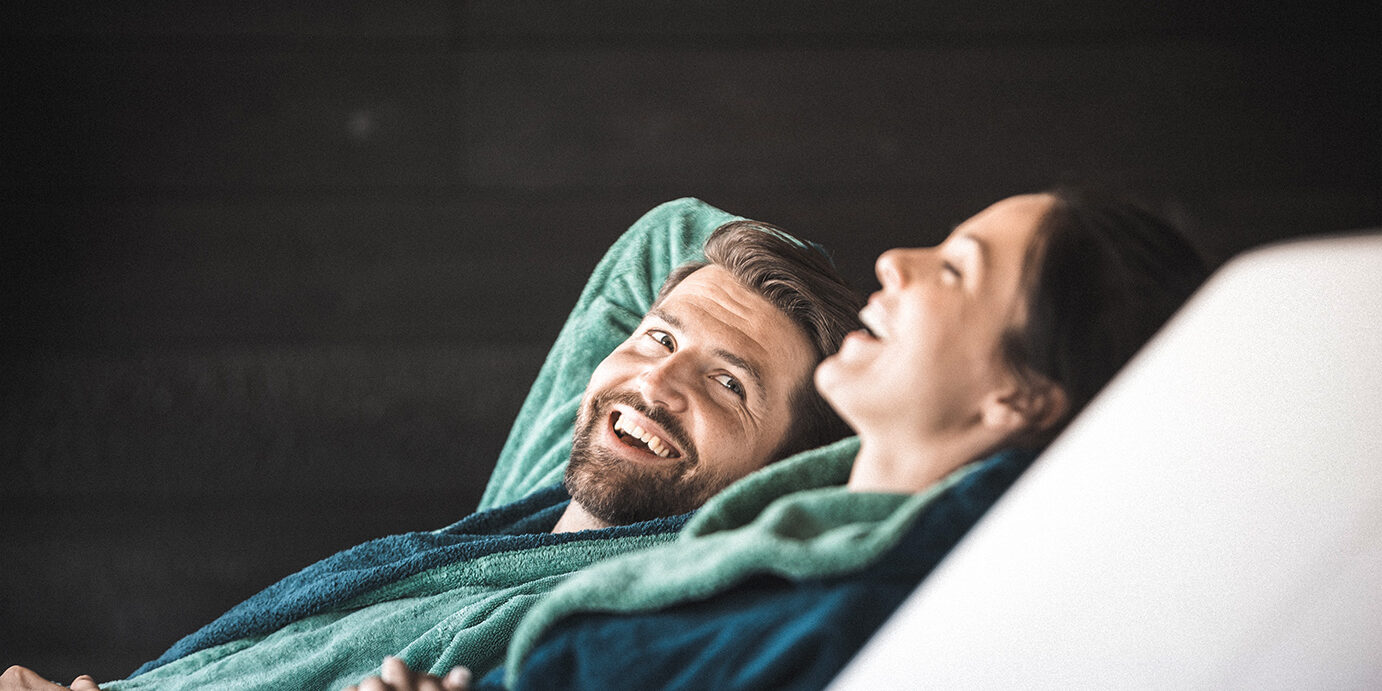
x=950, y=272
x=729, y=382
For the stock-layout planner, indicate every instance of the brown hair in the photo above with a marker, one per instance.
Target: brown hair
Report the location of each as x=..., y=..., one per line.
x=798, y=279
x=1101, y=276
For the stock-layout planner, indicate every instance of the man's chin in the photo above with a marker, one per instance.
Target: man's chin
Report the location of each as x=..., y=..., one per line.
x=620, y=494
x=617, y=488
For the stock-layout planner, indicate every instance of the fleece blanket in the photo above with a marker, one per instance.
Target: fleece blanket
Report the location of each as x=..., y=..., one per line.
x=470, y=581
x=435, y=599
x=793, y=520
x=768, y=630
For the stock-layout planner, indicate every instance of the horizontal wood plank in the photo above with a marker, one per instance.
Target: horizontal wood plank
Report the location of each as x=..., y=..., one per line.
x=293, y=270
x=302, y=421
x=927, y=120
x=611, y=118
x=96, y=275
x=174, y=120
x=832, y=21
x=144, y=19
x=840, y=21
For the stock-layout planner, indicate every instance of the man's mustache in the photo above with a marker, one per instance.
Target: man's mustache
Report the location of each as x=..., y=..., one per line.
x=601, y=403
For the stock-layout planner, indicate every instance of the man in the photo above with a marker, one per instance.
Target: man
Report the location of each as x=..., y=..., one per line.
x=711, y=383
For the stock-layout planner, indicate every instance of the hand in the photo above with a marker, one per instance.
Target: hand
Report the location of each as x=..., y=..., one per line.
x=19, y=678
x=395, y=676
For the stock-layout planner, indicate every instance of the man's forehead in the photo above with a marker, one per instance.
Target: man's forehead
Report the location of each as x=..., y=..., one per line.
x=710, y=303
x=713, y=294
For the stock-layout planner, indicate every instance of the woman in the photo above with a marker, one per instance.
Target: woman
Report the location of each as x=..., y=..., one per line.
x=977, y=353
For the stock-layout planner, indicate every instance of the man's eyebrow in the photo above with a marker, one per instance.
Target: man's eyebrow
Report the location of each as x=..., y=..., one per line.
x=668, y=317
x=755, y=375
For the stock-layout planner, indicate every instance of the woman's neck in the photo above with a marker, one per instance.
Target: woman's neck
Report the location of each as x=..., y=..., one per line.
x=902, y=465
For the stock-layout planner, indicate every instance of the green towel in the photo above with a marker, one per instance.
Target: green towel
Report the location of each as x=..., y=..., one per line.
x=794, y=519
x=463, y=613
x=457, y=614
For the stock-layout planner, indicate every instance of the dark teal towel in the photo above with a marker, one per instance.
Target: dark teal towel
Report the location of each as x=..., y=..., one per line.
x=521, y=525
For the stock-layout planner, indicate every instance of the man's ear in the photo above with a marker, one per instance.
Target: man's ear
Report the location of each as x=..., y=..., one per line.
x=1024, y=409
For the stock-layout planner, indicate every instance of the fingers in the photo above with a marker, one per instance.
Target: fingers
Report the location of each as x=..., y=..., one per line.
x=394, y=675
x=85, y=683
x=458, y=679
x=374, y=684
x=19, y=678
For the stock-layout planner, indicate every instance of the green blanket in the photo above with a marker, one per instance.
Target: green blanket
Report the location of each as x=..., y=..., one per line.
x=793, y=519
x=463, y=612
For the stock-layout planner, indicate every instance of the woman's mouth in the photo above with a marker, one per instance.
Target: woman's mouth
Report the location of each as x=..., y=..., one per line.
x=873, y=323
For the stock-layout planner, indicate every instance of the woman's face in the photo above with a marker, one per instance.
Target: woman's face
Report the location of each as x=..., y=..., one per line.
x=932, y=362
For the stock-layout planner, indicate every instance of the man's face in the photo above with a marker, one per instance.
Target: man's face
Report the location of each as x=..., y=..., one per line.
x=698, y=396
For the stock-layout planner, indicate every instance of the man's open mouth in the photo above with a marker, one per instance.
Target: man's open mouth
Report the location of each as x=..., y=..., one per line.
x=637, y=437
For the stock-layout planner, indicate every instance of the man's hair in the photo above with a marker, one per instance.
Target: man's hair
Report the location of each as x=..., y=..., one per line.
x=1101, y=276
x=799, y=280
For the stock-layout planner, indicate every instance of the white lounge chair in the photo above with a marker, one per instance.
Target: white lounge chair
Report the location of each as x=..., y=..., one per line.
x=1213, y=520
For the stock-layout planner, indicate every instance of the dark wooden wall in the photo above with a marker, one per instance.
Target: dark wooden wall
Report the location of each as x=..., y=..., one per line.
x=277, y=275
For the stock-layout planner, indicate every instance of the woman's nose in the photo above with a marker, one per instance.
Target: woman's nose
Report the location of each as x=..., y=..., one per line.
x=662, y=385
x=892, y=266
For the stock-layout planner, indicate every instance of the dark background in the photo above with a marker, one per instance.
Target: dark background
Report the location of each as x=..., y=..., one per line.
x=276, y=276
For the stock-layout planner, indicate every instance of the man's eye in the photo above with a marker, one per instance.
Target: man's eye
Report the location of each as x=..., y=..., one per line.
x=663, y=338
x=730, y=383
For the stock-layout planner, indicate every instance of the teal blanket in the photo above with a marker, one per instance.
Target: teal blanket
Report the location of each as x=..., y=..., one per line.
x=794, y=519
x=453, y=596
x=459, y=612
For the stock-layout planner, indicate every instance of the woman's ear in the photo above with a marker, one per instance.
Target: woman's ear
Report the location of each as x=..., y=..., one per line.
x=1025, y=409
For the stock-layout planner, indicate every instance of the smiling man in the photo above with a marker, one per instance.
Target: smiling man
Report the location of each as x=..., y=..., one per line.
x=651, y=400
x=713, y=384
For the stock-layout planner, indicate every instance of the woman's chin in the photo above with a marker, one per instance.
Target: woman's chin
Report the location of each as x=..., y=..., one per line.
x=839, y=385
x=828, y=377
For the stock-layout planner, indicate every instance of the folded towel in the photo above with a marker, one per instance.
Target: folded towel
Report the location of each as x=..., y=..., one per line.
x=793, y=520
x=435, y=599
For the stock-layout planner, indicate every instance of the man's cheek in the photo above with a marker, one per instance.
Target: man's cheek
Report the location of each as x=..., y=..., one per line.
x=603, y=380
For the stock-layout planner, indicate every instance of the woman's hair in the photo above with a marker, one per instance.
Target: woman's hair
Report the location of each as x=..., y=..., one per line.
x=1100, y=277
x=798, y=279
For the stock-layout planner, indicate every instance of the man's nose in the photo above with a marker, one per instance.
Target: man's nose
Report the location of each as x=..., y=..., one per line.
x=664, y=385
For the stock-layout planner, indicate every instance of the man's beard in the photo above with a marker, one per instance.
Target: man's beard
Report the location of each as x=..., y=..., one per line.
x=620, y=492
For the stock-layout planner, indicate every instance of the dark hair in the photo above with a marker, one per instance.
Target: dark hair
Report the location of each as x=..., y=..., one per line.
x=798, y=279
x=1100, y=277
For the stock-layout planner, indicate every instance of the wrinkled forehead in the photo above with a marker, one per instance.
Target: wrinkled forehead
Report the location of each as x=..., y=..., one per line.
x=717, y=310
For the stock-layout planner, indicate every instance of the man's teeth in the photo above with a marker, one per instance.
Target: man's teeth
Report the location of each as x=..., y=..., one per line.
x=654, y=443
